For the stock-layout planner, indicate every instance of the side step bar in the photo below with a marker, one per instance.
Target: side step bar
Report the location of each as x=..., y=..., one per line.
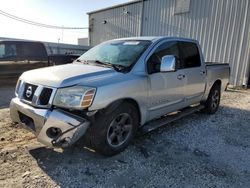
x=157, y=123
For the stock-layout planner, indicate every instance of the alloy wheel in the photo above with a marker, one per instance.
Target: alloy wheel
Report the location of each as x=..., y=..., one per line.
x=119, y=130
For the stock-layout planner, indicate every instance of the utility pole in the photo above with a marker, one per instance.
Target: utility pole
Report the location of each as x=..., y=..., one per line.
x=62, y=33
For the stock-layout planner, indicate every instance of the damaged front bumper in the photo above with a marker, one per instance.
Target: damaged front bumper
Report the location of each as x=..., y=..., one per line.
x=54, y=128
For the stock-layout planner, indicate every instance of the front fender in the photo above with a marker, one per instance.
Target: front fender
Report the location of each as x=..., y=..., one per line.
x=110, y=96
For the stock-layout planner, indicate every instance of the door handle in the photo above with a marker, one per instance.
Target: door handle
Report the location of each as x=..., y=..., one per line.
x=202, y=72
x=180, y=76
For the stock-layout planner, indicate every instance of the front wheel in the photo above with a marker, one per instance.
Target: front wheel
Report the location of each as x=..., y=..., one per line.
x=111, y=133
x=213, y=100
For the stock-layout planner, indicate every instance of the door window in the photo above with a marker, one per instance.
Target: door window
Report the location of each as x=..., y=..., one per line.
x=167, y=48
x=22, y=51
x=190, y=56
x=31, y=51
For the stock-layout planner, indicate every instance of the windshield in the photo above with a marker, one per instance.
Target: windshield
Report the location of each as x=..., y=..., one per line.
x=122, y=52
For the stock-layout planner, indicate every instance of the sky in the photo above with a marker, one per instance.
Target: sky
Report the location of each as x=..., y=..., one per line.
x=68, y=13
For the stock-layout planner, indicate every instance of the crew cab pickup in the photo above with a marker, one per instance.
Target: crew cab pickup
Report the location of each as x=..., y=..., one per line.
x=116, y=89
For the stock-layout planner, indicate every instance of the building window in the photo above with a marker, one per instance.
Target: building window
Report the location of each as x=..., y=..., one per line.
x=182, y=6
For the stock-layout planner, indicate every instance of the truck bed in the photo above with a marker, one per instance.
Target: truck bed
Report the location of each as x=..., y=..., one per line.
x=216, y=64
x=219, y=71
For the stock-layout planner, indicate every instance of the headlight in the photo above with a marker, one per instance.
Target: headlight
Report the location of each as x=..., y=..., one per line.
x=77, y=97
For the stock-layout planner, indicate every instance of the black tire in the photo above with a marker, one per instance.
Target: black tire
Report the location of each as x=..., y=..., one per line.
x=213, y=100
x=107, y=128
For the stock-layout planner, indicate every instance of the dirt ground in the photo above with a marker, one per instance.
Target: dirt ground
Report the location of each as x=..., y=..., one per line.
x=196, y=151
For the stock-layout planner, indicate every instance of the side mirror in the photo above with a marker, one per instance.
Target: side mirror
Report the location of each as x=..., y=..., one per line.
x=168, y=63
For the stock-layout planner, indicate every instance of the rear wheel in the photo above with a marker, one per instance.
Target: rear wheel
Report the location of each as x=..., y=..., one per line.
x=112, y=132
x=213, y=100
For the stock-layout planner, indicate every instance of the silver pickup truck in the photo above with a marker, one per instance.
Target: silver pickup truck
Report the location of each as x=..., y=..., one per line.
x=117, y=89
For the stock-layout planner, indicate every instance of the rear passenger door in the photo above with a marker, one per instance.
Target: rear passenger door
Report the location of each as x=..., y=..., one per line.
x=194, y=71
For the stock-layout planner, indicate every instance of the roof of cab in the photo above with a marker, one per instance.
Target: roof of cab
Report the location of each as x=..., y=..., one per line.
x=157, y=38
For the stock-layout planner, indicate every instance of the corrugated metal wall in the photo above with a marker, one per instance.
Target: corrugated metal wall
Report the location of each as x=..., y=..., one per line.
x=118, y=23
x=221, y=26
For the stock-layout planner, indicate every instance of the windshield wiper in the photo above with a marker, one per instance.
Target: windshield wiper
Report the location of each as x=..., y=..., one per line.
x=120, y=68
x=81, y=61
x=117, y=67
x=101, y=63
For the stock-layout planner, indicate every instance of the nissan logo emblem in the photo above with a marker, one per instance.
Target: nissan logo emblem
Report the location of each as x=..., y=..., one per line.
x=28, y=92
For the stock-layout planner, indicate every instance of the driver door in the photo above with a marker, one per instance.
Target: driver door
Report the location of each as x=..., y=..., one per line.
x=166, y=89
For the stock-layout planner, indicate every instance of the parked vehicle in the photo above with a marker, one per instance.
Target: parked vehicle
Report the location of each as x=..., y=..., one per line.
x=18, y=56
x=117, y=88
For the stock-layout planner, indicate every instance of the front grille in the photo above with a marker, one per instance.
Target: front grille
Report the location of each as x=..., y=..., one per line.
x=45, y=96
x=29, y=91
x=35, y=95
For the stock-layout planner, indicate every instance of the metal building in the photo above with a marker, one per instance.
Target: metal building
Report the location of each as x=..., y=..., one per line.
x=221, y=26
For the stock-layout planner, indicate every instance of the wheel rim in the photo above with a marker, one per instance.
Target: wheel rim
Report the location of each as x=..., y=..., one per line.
x=215, y=99
x=119, y=130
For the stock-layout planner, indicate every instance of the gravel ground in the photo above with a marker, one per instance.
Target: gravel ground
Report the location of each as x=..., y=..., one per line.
x=196, y=151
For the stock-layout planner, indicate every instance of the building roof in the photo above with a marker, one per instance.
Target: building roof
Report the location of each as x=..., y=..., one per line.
x=115, y=6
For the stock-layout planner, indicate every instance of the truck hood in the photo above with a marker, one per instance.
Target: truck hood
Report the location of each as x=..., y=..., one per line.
x=68, y=75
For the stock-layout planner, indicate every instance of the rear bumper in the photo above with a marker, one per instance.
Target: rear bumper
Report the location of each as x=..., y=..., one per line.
x=54, y=128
